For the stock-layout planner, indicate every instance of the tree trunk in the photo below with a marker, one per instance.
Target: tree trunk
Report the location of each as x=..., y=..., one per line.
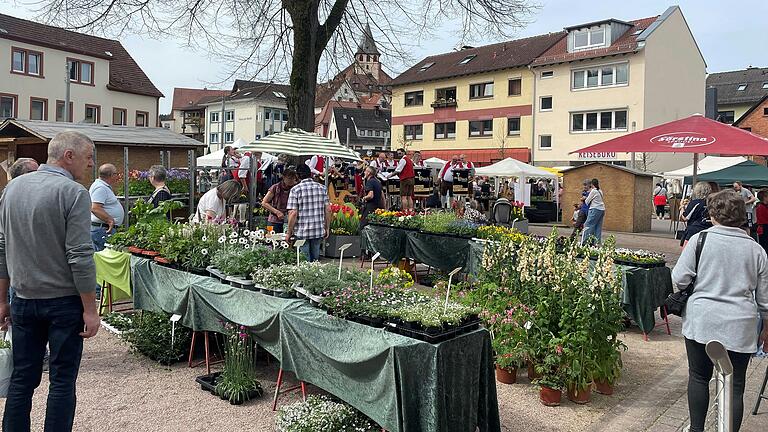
x=306, y=57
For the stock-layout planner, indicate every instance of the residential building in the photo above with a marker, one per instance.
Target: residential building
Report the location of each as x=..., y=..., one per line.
x=364, y=81
x=323, y=119
x=755, y=119
x=251, y=111
x=738, y=91
x=361, y=129
x=187, y=115
x=476, y=101
x=107, y=86
x=607, y=78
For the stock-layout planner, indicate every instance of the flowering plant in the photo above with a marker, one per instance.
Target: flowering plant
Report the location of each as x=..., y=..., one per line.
x=394, y=276
x=318, y=413
x=510, y=330
x=238, y=380
x=177, y=181
x=499, y=233
x=518, y=211
x=276, y=277
x=345, y=219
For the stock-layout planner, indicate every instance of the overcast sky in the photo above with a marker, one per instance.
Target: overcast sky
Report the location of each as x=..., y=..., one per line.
x=731, y=34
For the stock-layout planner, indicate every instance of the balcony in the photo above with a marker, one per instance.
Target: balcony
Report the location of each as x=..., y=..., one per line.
x=443, y=103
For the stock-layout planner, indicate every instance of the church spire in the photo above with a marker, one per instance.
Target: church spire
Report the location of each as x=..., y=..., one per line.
x=367, y=44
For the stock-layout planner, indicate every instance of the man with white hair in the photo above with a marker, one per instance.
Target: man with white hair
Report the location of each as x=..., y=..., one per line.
x=46, y=249
x=106, y=211
x=22, y=166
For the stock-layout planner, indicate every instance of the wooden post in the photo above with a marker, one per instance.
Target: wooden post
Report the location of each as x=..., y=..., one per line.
x=126, y=204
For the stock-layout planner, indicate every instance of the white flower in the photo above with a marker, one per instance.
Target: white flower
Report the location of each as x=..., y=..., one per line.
x=528, y=325
x=284, y=245
x=610, y=338
x=247, y=246
x=260, y=234
x=222, y=239
x=233, y=235
x=232, y=241
x=271, y=232
x=204, y=251
x=246, y=232
x=205, y=238
x=243, y=240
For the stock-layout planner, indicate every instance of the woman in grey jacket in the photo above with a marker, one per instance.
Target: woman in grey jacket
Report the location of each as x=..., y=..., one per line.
x=730, y=295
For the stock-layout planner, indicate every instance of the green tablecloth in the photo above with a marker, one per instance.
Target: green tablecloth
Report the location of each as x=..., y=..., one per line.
x=389, y=242
x=643, y=291
x=443, y=252
x=403, y=384
x=114, y=268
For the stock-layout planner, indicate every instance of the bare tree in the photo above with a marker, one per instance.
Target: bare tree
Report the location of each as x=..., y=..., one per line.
x=289, y=38
x=645, y=160
x=501, y=140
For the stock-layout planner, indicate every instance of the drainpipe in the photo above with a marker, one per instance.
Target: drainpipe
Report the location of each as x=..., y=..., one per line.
x=533, y=118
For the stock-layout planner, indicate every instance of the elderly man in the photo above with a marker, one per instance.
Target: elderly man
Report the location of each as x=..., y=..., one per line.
x=106, y=211
x=22, y=166
x=45, y=248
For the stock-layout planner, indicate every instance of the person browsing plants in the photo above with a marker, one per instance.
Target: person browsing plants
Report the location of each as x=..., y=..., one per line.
x=373, y=198
x=46, y=249
x=276, y=199
x=106, y=211
x=725, y=305
x=157, y=176
x=213, y=204
x=309, y=213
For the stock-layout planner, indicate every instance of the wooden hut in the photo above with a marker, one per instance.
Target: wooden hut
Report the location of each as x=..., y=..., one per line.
x=627, y=192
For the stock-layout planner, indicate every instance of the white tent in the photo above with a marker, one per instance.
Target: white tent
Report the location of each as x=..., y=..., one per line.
x=510, y=167
x=434, y=163
x=213, y=160
x=706, y=165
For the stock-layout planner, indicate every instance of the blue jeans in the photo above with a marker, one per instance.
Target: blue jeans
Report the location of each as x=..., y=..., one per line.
x=99, y=236
x=311, y=249
x=58, y=322
x=593, y=227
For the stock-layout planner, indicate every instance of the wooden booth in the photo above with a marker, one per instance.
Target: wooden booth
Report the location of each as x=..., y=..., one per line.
x=627, y=192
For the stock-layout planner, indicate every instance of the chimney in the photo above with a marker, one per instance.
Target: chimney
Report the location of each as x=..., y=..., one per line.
x=710, y=103
x=377, y=110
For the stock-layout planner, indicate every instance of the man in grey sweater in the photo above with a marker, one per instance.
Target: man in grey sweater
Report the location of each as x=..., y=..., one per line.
x=46, y=249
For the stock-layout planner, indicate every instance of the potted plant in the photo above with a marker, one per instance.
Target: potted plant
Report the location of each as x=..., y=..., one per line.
x=318, y=413
x=237, y=382
x=550, y=391
x=345, y=228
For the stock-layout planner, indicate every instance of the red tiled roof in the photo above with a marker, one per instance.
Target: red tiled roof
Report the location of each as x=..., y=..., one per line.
x=481, y=157
x=324, y=117
x=504, y=55
x=189, y=98
x=626, y=43
x=124, y=74
x=325, y=91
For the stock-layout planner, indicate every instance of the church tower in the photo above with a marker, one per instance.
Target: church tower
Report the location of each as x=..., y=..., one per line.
x=367, y=55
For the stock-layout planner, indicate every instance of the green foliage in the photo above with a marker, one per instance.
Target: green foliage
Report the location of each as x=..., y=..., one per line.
x=238, y=379
x=151, y=336
x=120, y=321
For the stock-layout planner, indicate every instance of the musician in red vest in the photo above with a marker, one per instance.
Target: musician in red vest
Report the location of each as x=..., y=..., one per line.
x=404, y=171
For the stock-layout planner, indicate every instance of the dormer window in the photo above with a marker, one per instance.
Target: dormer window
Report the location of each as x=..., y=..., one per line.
x=426, y=66
x=742, y=87
x=467, y=59
x=589, y=38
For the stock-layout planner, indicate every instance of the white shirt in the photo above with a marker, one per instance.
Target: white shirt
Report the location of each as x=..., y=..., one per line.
x=210, y=201
x=595, y=200
x=312, y=164
x=245, y=165
x=381, y=167
x=447, y=172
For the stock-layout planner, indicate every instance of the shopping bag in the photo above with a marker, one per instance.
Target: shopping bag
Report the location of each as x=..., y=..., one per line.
x=6, y=364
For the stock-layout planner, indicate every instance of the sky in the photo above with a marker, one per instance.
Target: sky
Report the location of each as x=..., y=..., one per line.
x=731, y=36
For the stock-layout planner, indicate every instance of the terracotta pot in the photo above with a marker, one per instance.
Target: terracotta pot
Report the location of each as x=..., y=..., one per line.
x=151, y=253
x=603, y=387
x=532, y=374
x=506, y=376
x=579, y=396
x=549, y=396
x=134, y=249
x=161, y=260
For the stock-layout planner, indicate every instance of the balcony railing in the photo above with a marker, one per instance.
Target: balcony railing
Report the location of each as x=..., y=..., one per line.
x=444, y=103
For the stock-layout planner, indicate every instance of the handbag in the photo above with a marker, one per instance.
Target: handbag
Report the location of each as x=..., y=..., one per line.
x=675, y=303
x=6, y=365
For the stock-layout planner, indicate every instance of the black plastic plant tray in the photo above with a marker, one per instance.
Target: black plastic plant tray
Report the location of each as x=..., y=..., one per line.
x=208, y=382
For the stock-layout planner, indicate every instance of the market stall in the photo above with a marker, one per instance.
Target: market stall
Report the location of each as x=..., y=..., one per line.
x=748, y=172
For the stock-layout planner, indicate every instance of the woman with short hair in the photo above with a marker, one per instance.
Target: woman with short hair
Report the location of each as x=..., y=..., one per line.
x=157, y=176
x=695, y=213
x=276, y=199
x=213, y=204
x=729, y=298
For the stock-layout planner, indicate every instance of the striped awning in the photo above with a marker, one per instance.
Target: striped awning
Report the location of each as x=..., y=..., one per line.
x=296, y=142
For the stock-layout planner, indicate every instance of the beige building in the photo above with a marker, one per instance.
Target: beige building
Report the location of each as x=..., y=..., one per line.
x=107, y=86
x=608, y=78
x=251, y=111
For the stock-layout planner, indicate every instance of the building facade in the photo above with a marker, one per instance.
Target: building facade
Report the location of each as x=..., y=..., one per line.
x=362, y=129
x=738, y=91
x=609, y=78
x=187, y=115
x=476, y=101
x=106, y=85
x=251, y=111
x=755, y=119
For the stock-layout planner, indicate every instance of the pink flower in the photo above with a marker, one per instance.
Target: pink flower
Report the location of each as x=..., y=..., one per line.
x=559, y=350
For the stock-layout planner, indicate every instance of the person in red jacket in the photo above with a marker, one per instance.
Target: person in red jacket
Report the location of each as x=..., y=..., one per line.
x=404, y=171
x=762, y=219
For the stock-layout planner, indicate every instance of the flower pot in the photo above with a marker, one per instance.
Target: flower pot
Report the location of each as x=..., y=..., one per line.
x=162, y=260
x=134, y=250
x=549, y=396
x=603, y=387
x=532, y=374
x=150, y=253
x=506, y=376
x=334, y=242
x=579, y=395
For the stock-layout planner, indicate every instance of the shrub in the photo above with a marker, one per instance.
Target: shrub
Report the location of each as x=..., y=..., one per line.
x=152, y=337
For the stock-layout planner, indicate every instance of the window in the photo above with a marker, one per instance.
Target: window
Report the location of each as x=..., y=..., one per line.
x=119, y=116
x=447, y=94
x=26, y=62
x=467, y=59
x=742, y=87
x=513, y=126
x=214, y=138
x=599, y=120
x=229, y=116
x=281, y=95
x=378, y=133
x=547, y=74
x=426, y=66
x=92, y=114
x=414, y=132
x=604, y=76
x=545, y=103
x=414, y=98
x=285, y=116
x=545, y=142
x=215, y=116
x=589, y=38
x=80, y=71
x=229, y=137
x=765, y=112
x=8, y=106
x=726, y=116
x=765, y=85
x=481, y=128
x=142, y=118
x=38, y=109
x=445, y=130
x=515, y=87
x=482, y=90
x=60, y=111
